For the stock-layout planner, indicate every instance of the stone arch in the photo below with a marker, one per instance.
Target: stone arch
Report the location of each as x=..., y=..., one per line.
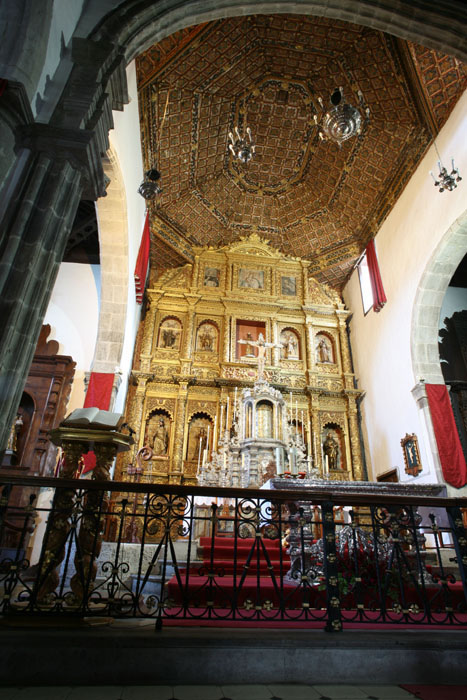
x=136, y=26
x=113, y=242
x=429, y=299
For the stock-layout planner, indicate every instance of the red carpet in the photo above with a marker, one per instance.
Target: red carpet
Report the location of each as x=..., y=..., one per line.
x=240, y=579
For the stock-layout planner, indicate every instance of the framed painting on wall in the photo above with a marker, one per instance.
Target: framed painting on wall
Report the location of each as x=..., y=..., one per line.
x=413, y=465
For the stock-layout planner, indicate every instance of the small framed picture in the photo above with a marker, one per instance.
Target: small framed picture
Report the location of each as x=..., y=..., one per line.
x=413, y=465
x=288, y=286
x=251, y=279
x=211, y=276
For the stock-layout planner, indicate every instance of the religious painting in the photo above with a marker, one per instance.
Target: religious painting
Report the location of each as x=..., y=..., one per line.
x=250, y=279
x=288, y=286
x=290, y=349
x=206, y=338
x=323, y=349
x=169, y=334
x=413, y=464
x=211, y=277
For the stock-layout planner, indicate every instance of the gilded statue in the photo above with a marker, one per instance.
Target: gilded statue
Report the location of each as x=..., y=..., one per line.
x=290, y=345
x=200, y=444
x=323, y=353
x=331, y=451
x=160, y=442
x=14, y=432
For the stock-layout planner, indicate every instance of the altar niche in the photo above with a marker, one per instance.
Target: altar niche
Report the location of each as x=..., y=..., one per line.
x=200, y=442
x=290, y=342
x=158, y=433
x=207, y=337
x=324, y=349
x=332, y=445
x=248, y=331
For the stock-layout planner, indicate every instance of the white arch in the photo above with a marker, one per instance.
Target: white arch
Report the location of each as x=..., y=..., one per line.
x=429, y=299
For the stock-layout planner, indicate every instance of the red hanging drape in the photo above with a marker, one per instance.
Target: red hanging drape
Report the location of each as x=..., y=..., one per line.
x=99, y=394
x=379, y=297
x=141, y=267
x=447, y=438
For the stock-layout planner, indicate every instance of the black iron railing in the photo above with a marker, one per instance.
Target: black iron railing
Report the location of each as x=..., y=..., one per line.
x=201, y=555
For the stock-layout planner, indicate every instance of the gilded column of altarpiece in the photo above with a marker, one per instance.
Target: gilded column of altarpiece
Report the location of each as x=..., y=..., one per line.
x=196, y=358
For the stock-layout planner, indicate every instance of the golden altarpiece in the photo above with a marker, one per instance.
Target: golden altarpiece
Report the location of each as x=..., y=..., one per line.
x=243, y=358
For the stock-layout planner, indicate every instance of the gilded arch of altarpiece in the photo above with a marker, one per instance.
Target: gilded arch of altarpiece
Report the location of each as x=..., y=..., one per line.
x=232, y=294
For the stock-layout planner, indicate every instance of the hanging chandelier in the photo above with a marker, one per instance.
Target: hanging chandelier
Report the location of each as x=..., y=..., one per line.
x=242, y=147
x=150, y=188
x=342, y=120
x=445, y=180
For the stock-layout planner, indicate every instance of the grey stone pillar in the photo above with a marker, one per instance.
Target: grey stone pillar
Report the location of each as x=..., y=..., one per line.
x=34, y=232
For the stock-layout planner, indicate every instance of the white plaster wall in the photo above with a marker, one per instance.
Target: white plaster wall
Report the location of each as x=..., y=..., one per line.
x=73, y=313
x=125, y=140
x=381, y=342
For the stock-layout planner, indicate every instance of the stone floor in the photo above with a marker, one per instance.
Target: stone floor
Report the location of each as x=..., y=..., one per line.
x=214, y=692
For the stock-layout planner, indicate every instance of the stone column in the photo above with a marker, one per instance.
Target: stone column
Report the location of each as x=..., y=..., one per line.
x=34, y=231
x=309, y=350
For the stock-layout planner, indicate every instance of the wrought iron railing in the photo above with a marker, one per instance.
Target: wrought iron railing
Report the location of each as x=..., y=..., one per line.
x=200, y=555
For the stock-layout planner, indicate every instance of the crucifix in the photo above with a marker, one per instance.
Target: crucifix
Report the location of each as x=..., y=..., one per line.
x=262, y=347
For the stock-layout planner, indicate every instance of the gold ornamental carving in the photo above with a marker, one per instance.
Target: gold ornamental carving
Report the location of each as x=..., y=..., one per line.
x=205, y=309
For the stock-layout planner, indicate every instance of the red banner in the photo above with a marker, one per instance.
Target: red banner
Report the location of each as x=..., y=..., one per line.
x=99, y=394
x=379, y=297
x=447, y=438
x=141, y=267
x=99, y=390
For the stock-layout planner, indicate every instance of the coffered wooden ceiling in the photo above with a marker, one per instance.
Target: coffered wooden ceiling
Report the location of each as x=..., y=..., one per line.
x=308, y=197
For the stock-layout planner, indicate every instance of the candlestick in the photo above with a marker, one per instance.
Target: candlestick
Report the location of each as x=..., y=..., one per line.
x=214, y=434
x=227, y=414
x=220, y=422
x=303, y=429
x=309, y=437
x=199, y=453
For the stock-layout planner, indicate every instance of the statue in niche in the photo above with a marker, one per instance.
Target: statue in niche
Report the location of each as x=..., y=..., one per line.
x=160, y=442
x=323, y=351
x=169, y=334
x=331, y=451
x=205, y=339
x=290, y=345
x=201, y=444
x=14, y=432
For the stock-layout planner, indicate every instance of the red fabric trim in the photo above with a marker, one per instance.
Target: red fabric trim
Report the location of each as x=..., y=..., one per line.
x=98, y=394
x=379, y=297
x=141, y=267
x=3, y=85
x=447, y=438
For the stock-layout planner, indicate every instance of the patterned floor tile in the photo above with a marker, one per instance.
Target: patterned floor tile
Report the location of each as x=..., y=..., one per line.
x=197, y=692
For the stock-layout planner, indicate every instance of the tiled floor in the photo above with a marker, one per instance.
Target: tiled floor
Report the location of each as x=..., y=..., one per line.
x=210, y=692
